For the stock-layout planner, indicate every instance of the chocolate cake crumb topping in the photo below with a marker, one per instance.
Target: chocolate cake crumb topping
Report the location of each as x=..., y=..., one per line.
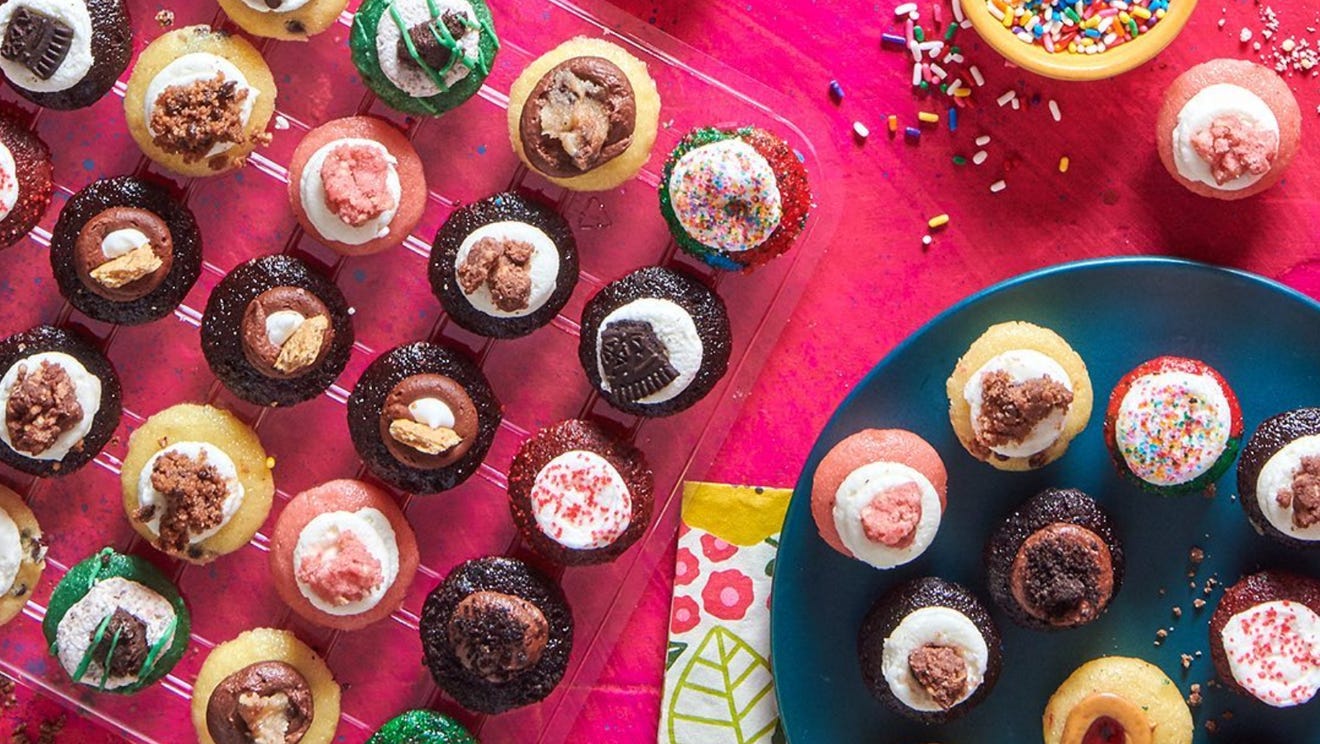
x=42, y=406
x=189, y=120
x=941, y=671
x=1062, y=574
x=1010, y=410
x=634, y=361
x=581, y=114
x=426, y=39
x=194, y=494
x=496, y=636
x=37, y=41
x=1303, y=494
x=268, y=702
x=505, y=266
x=129, y=651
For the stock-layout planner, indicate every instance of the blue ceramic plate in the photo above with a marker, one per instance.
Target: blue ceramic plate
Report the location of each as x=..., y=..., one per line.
x=1116, y=313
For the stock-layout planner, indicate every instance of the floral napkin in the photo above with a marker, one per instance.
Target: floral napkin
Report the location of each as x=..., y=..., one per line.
x=717, y=677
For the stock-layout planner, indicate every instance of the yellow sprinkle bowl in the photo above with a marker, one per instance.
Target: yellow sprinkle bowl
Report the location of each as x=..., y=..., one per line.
x=1070, y=66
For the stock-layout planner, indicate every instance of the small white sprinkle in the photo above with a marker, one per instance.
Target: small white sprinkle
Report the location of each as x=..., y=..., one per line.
x=980, y=157
x=976, y=75
x=860, y=130
x=916, y=74
x=983, y=140
x=1008, y=96
x=352, y=311
x=1054, y=110
x=997, y=187
x=281, y=123
x=958, y=16
x=927, y=240
x=1017, y=105
x=904, y=9
x=1245, y=35
x=1222, y=21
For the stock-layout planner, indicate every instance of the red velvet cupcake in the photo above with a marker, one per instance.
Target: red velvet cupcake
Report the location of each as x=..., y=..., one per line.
x=1265, y=638
x=25, y=173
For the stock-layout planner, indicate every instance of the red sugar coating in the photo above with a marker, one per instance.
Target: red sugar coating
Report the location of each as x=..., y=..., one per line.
x=794, y=196
x=355, y=178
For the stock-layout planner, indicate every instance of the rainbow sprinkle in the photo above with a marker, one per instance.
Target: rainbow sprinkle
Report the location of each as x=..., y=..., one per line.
x=1079, y=27
x=1172, y=427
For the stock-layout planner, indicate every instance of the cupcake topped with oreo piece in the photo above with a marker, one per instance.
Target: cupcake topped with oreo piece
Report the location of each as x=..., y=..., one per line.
x=1279, y=478
x=504, y=266
x=655, y=342
x=25, y=176
x=125, y=251
x=64, y=54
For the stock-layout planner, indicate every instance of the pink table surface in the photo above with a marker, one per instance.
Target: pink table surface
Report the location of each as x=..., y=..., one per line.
x=877, y=284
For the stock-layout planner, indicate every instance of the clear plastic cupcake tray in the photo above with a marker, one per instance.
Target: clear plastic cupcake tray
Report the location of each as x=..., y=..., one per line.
x=538, y=378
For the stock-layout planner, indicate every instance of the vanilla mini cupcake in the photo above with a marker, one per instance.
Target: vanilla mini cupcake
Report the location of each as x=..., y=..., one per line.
x=22, y=554
x=290, y=20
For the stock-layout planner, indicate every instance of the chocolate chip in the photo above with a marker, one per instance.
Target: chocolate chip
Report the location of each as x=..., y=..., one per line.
x=635, y=362
x=37, y=41
x=295, y=27
x=274, y=4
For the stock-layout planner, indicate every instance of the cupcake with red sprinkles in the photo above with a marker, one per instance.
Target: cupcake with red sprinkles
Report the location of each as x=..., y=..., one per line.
x=578, y=494
x=734, y=198
x=1173, y=425
x=1265, y=638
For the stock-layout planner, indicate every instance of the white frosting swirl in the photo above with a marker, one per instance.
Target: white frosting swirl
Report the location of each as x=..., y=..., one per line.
x=544, y=266
x=1212, y=102
x=86, y=389
x=1020, y=365
x=327, y=223
x=196, y=67
x=11, y=551
x=215, y=457
x=941, y=626
x=77, y=63
x=675, y=329
x=1278, y=475
x=856, y=492
x=321, y=538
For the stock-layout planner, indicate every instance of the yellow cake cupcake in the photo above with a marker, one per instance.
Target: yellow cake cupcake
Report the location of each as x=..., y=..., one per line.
x=1118, y=695
x=22, y=554
x=290, y=20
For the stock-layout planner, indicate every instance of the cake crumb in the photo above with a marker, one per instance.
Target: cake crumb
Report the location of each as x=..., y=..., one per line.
x=1196, y=555
x=1198, y=603
x=165, y=18
x=1177, y=611
x=1186, y=661
x=1194, y=699
x=1211, y=726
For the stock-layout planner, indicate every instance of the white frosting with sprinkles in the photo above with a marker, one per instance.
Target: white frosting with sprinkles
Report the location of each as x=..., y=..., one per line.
x=196, y=67
x=857, y=492
x=282, y=6
x=406, y=76
x=1273, y=651
x=676, y=331
x=8, y=178
x=74, y=635
x=1172, y=427
x=581, y=501
x=11, y=551
x=312, y=192
x=940, y=626
x=1212, y=102
x=321, y=537
x=1276, y=476
x=726, y=195
x=544, y=266
x=1020, y=365
x=87, y=389
x=215, y=457
x=77, y=63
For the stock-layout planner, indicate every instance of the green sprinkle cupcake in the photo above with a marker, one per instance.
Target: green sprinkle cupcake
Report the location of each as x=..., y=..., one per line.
x=423, y=56
x=116, y=623
x=422, y=727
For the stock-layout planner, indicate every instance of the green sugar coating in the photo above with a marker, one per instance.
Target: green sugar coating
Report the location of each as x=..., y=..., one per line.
x=422, y=727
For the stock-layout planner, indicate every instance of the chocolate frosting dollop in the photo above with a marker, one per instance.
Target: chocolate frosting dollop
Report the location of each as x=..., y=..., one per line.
x=579, y=116
x=496, y=636
x=268, y=695
x=123, y=279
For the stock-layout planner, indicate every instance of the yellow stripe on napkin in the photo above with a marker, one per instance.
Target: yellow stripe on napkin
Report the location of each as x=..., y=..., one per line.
x=741, y=515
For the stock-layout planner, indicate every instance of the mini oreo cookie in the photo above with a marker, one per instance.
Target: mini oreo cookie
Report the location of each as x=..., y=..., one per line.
x=97, y=256
x=421, y=727
x=504, y=266
x=578, y=494
x=1279, y=478
x=25, y=176
x=94, y=385
x=422, y=417
x=275, y=332
x=496, y=634
x=655, y=342
x=1055, y=562
x=64, y=55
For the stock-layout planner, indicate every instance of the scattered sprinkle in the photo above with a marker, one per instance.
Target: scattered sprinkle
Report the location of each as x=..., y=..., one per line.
x=983, y=140
x=1006, y=97
x=953, y=120
x=165, y=18
x=860, y=130
x=912, y=133
x=976, y=75
x=998, y=186
x=928, y=117
x=1177, y=611
x=1244, y=35
x=281, y=123
x=270, y=463
x=1054, y=110
x=927, y=240
x=893, y=123
x=938, y=221
x=836, y=91
x=980, y=157
x=1060, y=26
x=1063, y=164
x=905, y=9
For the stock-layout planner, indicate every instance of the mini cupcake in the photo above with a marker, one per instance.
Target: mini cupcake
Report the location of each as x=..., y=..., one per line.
x=22, y=554
x=1055, y=563
x=124, y=251
x=496, y=634
x=196, y=482
x=1173, y=425
x=929, y=650
x=343, y=555
x=288, y=20
x=504, y=266
x=734, y=198
x=1279, y=478
x=64, y=55
x=423, y=56
x=584, y=115
x=199, y=100
x=422, y=417
x=276, y=332
x=59, y=401
x=25, y=176
x=115, y=623
x=655, y=342
x=879, y=495
x=1117, y=699
x=1018, y=396
x=421, y=727
x=578, y=495
x=1265, y=638
x=357, y=185
x=265, y=686
x=1228, y=128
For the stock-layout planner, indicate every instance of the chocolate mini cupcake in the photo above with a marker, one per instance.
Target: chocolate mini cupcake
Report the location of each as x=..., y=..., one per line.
x=1055, y=563
x=288, y=20
x=421, y=727
x=1173, y=425
x=929, y=650
x=124, y=251
x=199, y=100
x=1117, y=700
x=22, y=554
x=504, y=266
x=116, y=623
x=734, y=198
x=276, y=332
x=584, y=115
x=64, y=54
x=655, y=342
x=1279, y=478
x=423, y=56
x=1263, y=638
x=264, y=681
x=25, y=177
x=578, y=495
x=422, y=417
x=59, y=401
x=496, y=634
